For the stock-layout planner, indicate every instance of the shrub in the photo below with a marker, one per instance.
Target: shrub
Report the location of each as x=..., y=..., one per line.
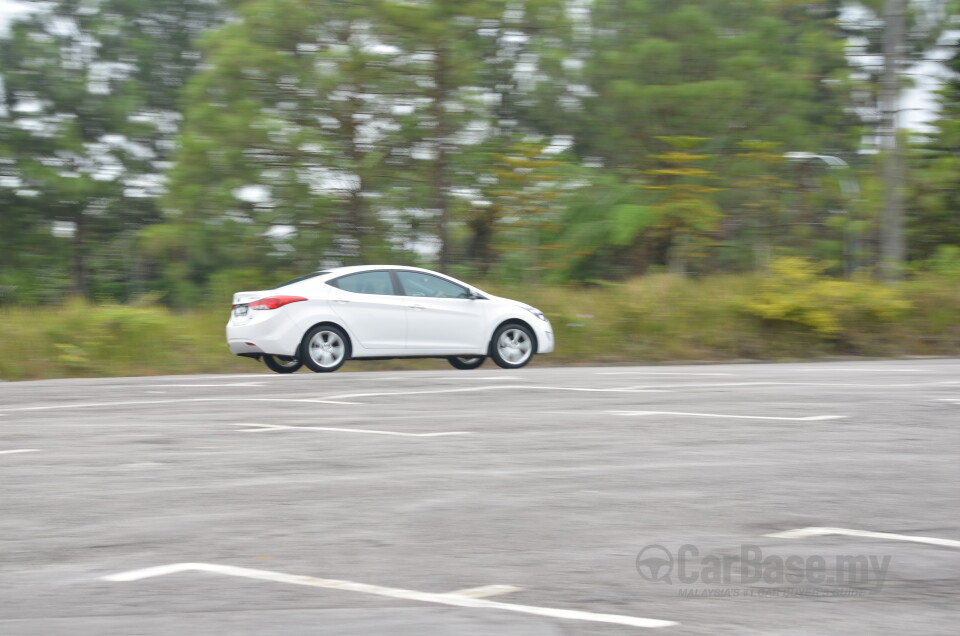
x=796, y=292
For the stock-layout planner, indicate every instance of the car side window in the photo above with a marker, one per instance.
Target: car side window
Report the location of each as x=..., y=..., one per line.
x=378, y=283
x=420, y=284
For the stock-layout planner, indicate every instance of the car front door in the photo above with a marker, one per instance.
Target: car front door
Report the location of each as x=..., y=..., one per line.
x=442, y=317
x=371, y=310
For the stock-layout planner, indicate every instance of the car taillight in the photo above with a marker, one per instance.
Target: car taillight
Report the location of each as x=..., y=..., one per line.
x=275, y=302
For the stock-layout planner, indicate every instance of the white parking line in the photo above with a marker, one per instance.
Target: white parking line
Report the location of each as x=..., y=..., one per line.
x=278, y=427
x=491, y=388
x=315, y=401
x=202, y=386
x=802, y=533
x=860, y=369
x=659, y=373
x=487, y=591
x=772, y=383
x=453, y=599
x=20, y=450
x=88, y=405
x=372, y=376
x=246, y=376
x=704, y=385
x=811, y=418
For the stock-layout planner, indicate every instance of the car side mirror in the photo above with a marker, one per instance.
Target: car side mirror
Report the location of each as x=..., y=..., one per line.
x=473, y=295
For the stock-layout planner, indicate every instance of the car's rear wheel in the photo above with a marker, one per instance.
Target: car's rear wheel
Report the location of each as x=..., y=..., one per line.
x=282, y=364
x=512, y=346
x=465, y=363
x=325, y=348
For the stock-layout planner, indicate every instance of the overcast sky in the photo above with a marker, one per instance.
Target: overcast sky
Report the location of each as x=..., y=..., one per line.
x=9, y=8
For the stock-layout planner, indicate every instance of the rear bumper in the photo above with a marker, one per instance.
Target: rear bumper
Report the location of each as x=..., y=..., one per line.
x=273, y=334
x=244, y=348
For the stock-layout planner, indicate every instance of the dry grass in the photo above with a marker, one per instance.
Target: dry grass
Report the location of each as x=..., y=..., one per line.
x=660, y=318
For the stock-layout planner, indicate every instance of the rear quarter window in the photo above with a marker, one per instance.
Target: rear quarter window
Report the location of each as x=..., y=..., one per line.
x=300, y=279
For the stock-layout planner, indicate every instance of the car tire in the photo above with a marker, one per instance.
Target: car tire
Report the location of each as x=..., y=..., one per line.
x=512, y=346
x=282, y=364
x=465, y=363
x=325, y=348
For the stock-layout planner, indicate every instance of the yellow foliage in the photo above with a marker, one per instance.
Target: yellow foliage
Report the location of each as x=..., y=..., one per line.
x=796, y=291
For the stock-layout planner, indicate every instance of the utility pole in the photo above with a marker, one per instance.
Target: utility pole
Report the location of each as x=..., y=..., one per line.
x=892, y=246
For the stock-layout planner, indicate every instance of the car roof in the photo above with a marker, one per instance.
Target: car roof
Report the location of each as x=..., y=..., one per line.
x=351, y=269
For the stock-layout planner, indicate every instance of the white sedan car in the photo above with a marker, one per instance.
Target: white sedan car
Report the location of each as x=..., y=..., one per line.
x=377, y=312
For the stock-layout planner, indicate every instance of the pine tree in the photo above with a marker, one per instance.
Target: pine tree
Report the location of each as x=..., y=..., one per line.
x=935, y=196
x=89, y=115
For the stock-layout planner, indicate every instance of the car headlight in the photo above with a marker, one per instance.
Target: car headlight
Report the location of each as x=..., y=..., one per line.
x=536, y=312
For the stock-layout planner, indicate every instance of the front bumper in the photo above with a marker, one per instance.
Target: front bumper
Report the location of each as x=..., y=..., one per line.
x=544, y=332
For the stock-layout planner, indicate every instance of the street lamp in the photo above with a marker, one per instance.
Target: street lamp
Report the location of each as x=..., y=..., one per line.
x=850, y=188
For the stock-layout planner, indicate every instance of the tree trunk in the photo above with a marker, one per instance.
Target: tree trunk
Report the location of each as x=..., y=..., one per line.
x=78, y=261
x=480, y=249
x=440, y=178
x=677, y=255
x=892, y=247
x=356, y=205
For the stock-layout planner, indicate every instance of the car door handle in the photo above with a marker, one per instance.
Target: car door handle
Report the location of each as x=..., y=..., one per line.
x=415, y=306
x=342, y=302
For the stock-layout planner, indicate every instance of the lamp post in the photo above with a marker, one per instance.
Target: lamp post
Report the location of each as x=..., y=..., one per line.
x=850, y=188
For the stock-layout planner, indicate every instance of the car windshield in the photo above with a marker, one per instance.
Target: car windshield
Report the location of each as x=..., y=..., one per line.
x=300, y=278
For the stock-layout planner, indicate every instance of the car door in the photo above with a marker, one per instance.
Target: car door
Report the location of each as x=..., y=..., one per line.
x=371, y=310
x=442, y=317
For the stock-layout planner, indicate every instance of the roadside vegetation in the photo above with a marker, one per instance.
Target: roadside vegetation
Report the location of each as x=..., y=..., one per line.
x=191, y=148
x=793, y=312
x=668, y=181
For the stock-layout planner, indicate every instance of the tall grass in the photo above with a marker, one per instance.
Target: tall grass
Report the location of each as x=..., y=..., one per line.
x=661, y=318
x=79, y=339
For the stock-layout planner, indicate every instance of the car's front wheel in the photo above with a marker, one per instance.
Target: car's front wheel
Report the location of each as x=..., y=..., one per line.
x=512, y=346
x=465, y=363
x=282, y=364
x=325, y=348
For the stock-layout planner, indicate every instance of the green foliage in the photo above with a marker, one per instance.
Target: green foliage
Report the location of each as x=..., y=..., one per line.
x=601, y=220
x=935, y=189
x=522, y=191
x=946, y=262
x=685, y=215
x=324, y=132
x=732, y=81
x=628, y=221
x=88, y=99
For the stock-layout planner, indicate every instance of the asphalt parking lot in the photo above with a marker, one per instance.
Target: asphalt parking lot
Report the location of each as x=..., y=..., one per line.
x=723, y=499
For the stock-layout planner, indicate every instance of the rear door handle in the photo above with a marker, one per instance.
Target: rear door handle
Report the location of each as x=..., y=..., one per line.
x=341, y=302
x=416, y=306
